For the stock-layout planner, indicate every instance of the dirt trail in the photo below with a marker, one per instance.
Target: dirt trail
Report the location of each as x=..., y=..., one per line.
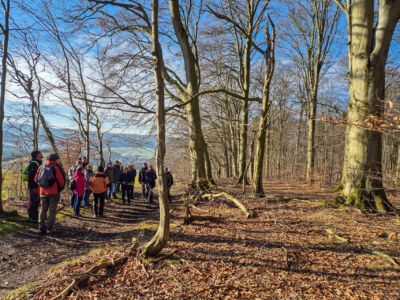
x=283, y=253
x=25, y=256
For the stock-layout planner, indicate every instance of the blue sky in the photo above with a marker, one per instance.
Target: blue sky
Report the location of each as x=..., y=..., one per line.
x=60, y=115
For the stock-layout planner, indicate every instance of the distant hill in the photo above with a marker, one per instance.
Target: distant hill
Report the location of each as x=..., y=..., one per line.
x=124, y=146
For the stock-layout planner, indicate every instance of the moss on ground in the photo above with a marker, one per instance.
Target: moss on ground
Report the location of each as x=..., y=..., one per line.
x=21, y=292
x=11, y=222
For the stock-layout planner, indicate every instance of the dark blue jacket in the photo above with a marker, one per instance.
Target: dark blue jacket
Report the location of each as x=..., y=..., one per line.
x=125, y=179
x=32, y=170
x=151, y=178
x=132, y=175
x=142, y=175
x=169, y=179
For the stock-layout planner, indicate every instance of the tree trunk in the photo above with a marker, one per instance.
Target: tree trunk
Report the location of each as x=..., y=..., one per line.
x=208, y=165
x=87, y=146
x=100, y=141
x=6, y=33
x=267, y=150
x=260, y=154
x=226, y=158
x=35, y=123
x=398, y=163
x=245, y=114
x=311, y=139
x=109, y=152
x=46, y=128
x=235, y=166
x=197, y=146
x=266, y=104
x=161, y=237
x=362, y=181
x=296, y=151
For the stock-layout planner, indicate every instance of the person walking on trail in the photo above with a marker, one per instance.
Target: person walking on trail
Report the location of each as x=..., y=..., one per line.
x=116, y=174
x=151, y=183
x=110, y=175
x=142, y=179
x=124, y=180
x=34, y=196
x=51, y=181
x=99, y=184
x=170, y=181
x=72, y=171
x=132, y=178
x=88, y=174
x=79, y=190
x=121, y=169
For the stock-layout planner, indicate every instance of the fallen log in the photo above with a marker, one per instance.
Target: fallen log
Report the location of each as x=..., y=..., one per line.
x=233, y=199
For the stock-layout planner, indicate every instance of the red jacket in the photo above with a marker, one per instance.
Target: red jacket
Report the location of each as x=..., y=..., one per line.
x=55, y=188
x=80, y=183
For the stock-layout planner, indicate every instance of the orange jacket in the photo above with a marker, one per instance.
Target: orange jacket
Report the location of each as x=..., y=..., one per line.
x=58, y=184
x=99, y=183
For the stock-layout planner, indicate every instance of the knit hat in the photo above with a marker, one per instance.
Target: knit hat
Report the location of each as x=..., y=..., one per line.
x=34, y=154
x=53, y=157
x=100, y=169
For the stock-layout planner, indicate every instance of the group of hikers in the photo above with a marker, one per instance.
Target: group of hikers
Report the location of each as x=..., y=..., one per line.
x=45, y=183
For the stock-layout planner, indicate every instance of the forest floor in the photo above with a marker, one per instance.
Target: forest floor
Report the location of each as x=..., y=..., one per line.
x=284, y=252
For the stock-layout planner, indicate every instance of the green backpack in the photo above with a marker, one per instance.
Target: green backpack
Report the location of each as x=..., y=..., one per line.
x=25, y=174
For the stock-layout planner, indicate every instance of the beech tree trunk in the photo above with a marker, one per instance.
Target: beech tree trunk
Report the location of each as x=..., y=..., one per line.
x=362, y=181
x=296, y=151
x=266, y=104
x=35, y=127
x=6, y=35
x=245, y=109
x=208, y=166
x=311, y=139
x=160, y=239
x=197, y=145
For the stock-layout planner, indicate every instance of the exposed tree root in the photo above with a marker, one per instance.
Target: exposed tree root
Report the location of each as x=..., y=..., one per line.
x=164, y=257
x=366, y=250
x=198, y=208
x=81, y=279
x=383, y=255
x=233, y=199
x=189, y=218
x=338, y=188
x=338, y=237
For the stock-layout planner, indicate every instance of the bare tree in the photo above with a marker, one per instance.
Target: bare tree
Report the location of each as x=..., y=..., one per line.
x=310, y=33
x=269, y=55
x=370, y=39
x=245, y=20
x=162, y=235
x=5, y=28
x=30, y=55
